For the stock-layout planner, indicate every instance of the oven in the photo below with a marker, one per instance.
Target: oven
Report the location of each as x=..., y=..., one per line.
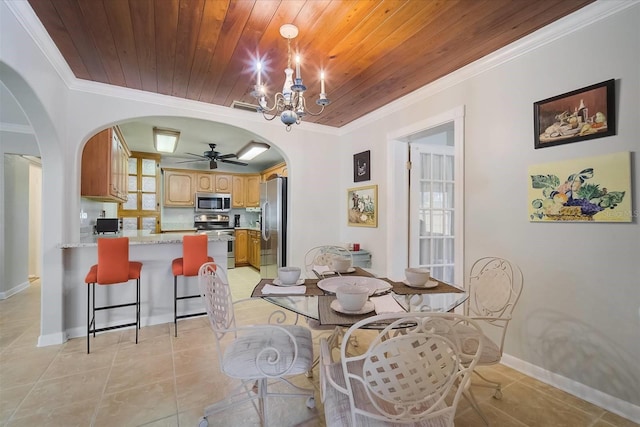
x=218, y=225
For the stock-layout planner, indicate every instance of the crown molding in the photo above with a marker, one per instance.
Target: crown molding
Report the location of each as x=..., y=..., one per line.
x=584, y=17
x=16, y=128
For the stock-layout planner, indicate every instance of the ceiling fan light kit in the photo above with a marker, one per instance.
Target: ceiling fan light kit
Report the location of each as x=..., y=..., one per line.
x=213, y=157
x=252, y=150
x=165, y=140
x=289, y=104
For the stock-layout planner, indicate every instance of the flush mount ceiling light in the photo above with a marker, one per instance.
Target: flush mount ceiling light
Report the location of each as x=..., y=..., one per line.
x=252, y=150
x=165, y=140
x=290, y=105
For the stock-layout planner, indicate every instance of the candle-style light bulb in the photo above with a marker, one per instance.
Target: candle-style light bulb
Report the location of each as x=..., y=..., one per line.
x=298, y=76
x=259, y=67
x=322, y=82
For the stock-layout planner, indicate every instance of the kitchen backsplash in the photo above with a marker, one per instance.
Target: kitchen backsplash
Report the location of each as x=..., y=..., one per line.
x=90, y=210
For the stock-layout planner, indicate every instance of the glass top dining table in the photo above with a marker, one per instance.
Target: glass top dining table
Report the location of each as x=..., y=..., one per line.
x=315, y=302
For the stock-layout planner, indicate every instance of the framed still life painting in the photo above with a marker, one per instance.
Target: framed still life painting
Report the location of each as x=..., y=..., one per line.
x=362, y=206
x=593, y=189
x=582, y=114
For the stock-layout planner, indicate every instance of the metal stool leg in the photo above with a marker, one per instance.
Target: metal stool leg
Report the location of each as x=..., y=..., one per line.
x=175, y=305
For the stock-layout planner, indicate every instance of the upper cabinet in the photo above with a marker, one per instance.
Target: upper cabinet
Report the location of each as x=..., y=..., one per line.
x=277, y=170
x=246, y=191
x=224, y=183
x=179, y=187
x=205, y=182
x=105, y=159
x=237, y=197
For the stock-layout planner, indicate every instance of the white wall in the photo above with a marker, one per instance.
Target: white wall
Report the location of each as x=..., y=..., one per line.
x=579, y=314
x=15, y=275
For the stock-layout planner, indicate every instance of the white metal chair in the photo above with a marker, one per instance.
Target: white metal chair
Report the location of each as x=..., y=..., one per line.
x=254, y=354
x=317, y=261
x=317, y=264
x=413, y=372
x=495, y=285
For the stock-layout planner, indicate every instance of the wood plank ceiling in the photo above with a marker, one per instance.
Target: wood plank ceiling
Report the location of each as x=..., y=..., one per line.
x=372, y=52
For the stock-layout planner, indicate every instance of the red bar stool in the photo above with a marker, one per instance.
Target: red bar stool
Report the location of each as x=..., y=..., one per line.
x=194, y=254
x=113, y=267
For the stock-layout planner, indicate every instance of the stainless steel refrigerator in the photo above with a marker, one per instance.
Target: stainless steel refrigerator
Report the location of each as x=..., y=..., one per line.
x=273, y=246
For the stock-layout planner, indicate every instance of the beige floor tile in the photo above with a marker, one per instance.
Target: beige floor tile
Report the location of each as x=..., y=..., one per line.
x=49, y=395
x=138, y=372
x=137, y=406
x=197, y=391
x=77, y=414
x=104, y=341
x=18, y=367
x=470, y=418
x=10, y=398
x=192, y=338
x=567, y=398
x=537, y=409
x=74, y=363
x=171, y=421
x=129, y=353
x=144, y=334
x=198, y=359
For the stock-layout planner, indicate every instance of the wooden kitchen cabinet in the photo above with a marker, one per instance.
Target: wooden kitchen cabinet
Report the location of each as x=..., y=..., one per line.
x=105, y=159
x=238, y=196
x=242, y=255
x=223, y=183
x=252, y=191
x=179, y=188
x=205, y=182
x=280, y=170
x=254, y=248
x=246, y=191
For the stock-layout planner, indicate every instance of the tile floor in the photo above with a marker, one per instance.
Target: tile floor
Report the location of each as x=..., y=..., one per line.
x=166, y=381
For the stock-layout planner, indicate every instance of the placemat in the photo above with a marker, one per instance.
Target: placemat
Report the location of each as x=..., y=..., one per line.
x=330, y=317
x=311, y=284
x=442, y=288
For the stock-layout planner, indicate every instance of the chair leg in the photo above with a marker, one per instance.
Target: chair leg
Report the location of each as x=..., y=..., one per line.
x=88, y=316
x=93, y=308
x=490, y=384
x=175, y=305
x=137, y=308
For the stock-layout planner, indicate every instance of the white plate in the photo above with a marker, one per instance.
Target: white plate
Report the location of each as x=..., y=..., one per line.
x=349, y=270
x=375, y=286
x=278, y=282
x=368, y=307
x=430, y=284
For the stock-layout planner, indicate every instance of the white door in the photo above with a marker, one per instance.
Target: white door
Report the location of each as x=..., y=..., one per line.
x=432, y=207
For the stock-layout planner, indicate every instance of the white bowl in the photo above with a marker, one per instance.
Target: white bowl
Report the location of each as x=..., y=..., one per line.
x=417, y=276
x=352, y=297
x=340, y=264
x=288, y=275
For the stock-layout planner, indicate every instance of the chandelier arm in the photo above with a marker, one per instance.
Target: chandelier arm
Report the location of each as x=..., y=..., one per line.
x=316, y=113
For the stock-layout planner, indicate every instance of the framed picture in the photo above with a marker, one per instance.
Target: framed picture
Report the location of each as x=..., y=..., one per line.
x=579, y=115
x=362, y=166
x=593, y=189
x=362, y=206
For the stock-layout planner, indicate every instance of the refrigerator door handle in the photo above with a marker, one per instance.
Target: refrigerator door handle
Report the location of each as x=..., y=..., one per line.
x=265, y=221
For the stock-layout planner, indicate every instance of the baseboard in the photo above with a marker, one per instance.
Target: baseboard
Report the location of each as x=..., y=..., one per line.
x=52, y=339
x=16, y=289
x=610, y=403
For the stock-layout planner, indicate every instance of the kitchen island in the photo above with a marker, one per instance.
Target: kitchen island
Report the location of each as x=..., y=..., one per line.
x=155, y=252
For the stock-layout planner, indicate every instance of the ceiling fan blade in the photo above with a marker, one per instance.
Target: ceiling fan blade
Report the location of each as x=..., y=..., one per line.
x=192, y=161
x=197, y=155
x=228, y=156
x=213, y=164
x=233, y=162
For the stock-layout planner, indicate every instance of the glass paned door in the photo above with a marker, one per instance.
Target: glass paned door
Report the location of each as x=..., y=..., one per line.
x=142, y=210
x=432, y=210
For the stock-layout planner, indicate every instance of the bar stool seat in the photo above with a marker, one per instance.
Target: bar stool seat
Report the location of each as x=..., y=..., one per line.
x=194, y=254
x=113, y=268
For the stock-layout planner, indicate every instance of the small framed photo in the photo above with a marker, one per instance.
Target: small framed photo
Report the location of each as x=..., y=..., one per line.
x=579, y=115
x=362, y=166
x=362, y=203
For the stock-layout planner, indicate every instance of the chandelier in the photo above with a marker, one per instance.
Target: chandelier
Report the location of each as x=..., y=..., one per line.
x=289, y=104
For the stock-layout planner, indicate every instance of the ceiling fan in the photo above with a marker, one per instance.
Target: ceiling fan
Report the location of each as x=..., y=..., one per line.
x=213, y=156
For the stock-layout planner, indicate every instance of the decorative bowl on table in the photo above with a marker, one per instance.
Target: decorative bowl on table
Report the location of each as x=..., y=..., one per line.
x=417, y=276
x=352, y=297
x=288, y=275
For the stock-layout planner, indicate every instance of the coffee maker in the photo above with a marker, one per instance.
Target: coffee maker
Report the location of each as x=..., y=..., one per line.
x=236, y=220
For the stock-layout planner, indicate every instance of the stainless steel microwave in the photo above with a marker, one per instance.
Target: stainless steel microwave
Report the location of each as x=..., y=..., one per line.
x=213, y=202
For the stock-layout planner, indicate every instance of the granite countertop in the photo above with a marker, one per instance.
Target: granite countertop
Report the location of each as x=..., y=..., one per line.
x=247, y=227
x=141, y=237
